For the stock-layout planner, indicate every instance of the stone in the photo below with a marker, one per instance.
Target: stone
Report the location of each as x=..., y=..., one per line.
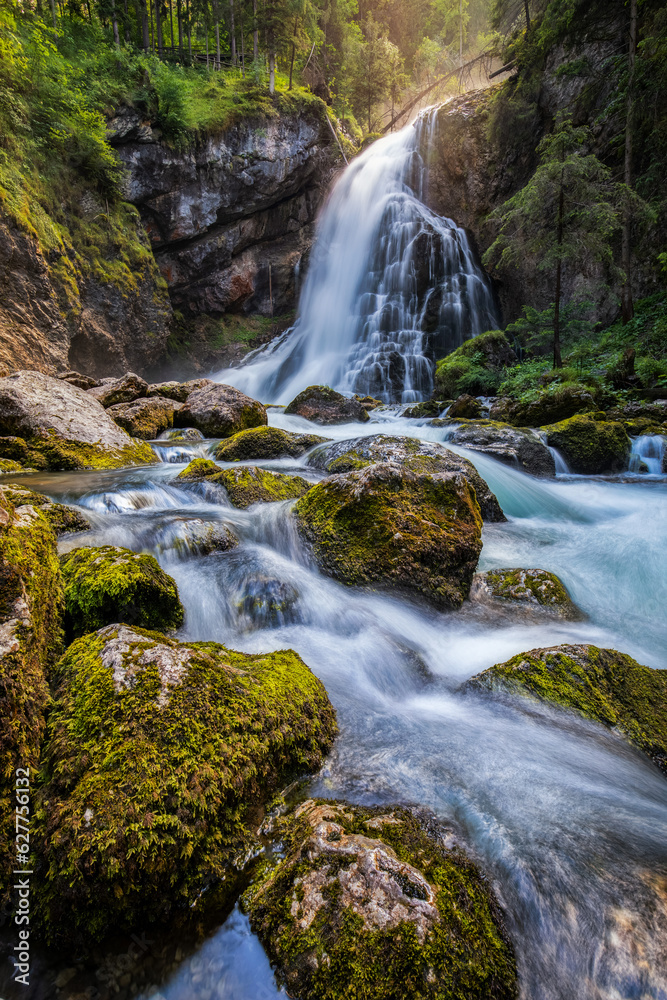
x=63, y=518
x=601, y=684
x=387, y=527
x=532, y=589
x=518, y=448
x=177, y=746
x=220, y=411
x=108, y=584
x=120, y=390
x=64, y=427
x=465, y=406
x=430, y=408
x=195, y=537
x=591, y=446
x=178, y=391
x=145, y=418
x=248, y=485
x=550, y=406
x=370, y=902
x=265, y=443
x=79, y=380
x=474, y=367
x=419, y=456
x=323, y=405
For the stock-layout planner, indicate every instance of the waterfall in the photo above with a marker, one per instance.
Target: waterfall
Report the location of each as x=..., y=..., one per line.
x=390, y=285
x=649, y=449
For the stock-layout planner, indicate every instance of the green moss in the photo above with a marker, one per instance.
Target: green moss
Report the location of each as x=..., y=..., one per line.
x=475, y=367
x=8, y=465
x=248, y=485
x=155, y=765
x=198, y=469
x=602, y=684
x=591, y=446
x=265, y=443
x=63, y=519
x=31, y=607
x=334, y=949
x=110, y=584
x=54, y=453
x=517, y=584
x=394, y=528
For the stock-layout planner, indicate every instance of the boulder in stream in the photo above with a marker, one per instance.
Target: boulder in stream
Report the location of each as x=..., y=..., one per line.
x=60, y=426
x=419, y=456
x=111, y=584
x=178, y=391
x=370, y=902
x=62, y=518
x=530, y=589
x=519, y=448
x=248, y=484
x=591, y=446
x=551, y=405
x=220, y=411
x=145, y=418
x=265, y=443
x=31, y=608
x=389, y=527
x=602, y=684
x=159, y=757
x=125, y=389
x=323, y=405
x=466, y=407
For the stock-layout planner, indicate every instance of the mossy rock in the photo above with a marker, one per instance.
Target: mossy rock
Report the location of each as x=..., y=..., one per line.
x=510, y=445
x=386, y=526
x=418, y=456
x=265, y=443
x=550, y=406
x=368, y=903
x=533, y=588
x=62, y=518
x=197, y=470
x=602, y=684
x=323, y=405
x=430, y=408
x=159, y=754
x=474, y=367
x=145, y=418
x=248, y=485
x=31, y=609
x=111, y=584
x=591, y=446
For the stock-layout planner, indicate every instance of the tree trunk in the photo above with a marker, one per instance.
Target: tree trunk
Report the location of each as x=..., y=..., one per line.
x=114, y=21
x=272, y=66
x=158, y=28
x=242, y=47
x=255, y=32
x=152, y=38
x=179, y=18
x=189, y=29
x=126, y=26
x=627, y=305
x=171, y=21
x=558, y=361
x=291, y=65
x=53, y=12
x=217, y=39
x=525, y=7
x=232, y=33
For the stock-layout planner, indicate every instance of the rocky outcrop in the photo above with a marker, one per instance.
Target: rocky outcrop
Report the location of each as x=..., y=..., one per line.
x=64, y=520
x=145, y=418
x=591, y=446
x=111, y=391
x=323, y=405
x=370, y=902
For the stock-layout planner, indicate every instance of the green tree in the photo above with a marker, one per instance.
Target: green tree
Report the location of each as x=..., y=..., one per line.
x=371, y=70
x=564, y=217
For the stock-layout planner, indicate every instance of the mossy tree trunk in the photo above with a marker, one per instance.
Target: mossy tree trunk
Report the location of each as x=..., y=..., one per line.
x=558, y=361
x=627, y=306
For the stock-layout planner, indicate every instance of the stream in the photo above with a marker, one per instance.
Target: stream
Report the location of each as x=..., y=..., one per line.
x=567, y=818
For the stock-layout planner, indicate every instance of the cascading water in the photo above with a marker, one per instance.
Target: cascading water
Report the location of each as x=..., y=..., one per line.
x=389, y=282
x=648, y=450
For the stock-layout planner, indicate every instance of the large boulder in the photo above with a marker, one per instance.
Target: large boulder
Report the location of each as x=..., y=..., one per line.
x=63, y=427
x=507, y=444
x=419, y=456
x=247, y=485
x=465, y=407
x=517, y=590
x=220, y=411
x=368, y=902
x=591, y=446
x=548, y=407
x=62, y=518
x=386, y=526
x=602, y=684
x=323, y=405
x=145, y=418
x=111, y=391
x=111, y=584
x=178, y=391
x=31, y=607
x=159, y=754
x=265, y=443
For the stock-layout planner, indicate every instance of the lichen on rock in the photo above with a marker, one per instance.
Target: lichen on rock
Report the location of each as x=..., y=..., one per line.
x=591, y=446
x=534, y=588
x=63, y=518
x=145, y=418
x=368, y=902
x=265, y=443
x=111, y=584
x=248, y=484
x=158, y=755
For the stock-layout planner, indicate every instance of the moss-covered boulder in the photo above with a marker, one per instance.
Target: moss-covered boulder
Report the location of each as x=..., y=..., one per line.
x=474, y=367
x=111, y=584
x=323, y=405
x=429, y=408
x=602, y=684
x=591, y=446
x=265, y=443
x=549, y=406
x=519, y=448
x=159, y=754
x=62, y=427
x=531, y=589
x=220, y=411
x=62, y=518
x=465, y=407
x=386, y=526
x=247, y=485
x=31, y=608
x=197, y=470
x=418, y=456
x=178, y=391
x=145, y=418
x=369, y=903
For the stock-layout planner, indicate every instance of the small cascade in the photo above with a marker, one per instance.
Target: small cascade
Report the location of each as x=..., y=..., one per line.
x=390, y=286
x=648, y=449
x=562, y=468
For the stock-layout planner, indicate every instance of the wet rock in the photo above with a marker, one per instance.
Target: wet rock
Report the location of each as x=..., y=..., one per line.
x=178, y=391
x=535, y=589
x=62, y=518
x=551, y=406
x=431, y=408
x=419, y=456
x=145, y=418
x=31, y=607
x=323, y=405
x=111, y=584
x=194, y=536
x=63, y=427
x=265, y=443
x=268, y=603
x=465, y=406
x=220, y=411
x=591, y=446
x=602, y=684
x=248, y=485
x=518, y=448
x=176, y=746
x=369, y=902
x=369, y=402
x=181, y=434
x=79, y=380
x=119, y=390
x=386, y=526
x=197, y=470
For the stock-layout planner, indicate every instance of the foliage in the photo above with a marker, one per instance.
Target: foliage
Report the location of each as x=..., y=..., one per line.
x=534, y=329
